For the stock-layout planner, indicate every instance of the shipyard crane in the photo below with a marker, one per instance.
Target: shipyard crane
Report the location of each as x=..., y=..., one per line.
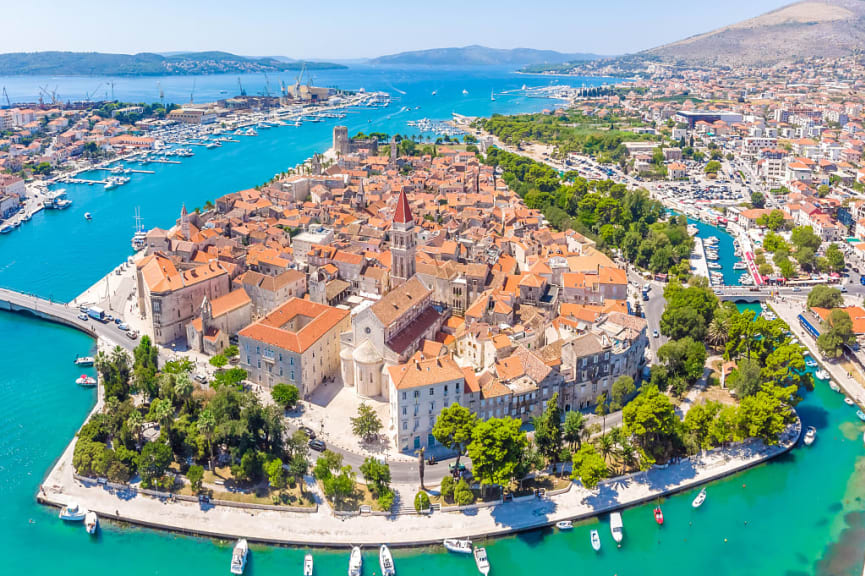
x=161, y=93
x=239, y=85
x=6, y=97
x=266, y=85
x=192, y=93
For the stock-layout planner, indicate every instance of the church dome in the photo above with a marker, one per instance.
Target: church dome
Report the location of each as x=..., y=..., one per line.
x=366, y=354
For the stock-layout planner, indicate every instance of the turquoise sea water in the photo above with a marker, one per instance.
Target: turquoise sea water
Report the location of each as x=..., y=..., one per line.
x=804, y=511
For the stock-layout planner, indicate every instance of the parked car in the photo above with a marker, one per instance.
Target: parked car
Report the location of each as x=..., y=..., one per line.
x=109, y=318
x=123, y=326
x=308, y=431
x=83, y=317
x=118, y=320
x=317, y=445
x=201, y=378
x=83, y=309
x=132, y=334
x=655, y=334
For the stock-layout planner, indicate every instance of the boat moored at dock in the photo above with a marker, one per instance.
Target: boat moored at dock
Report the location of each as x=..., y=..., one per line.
x=617, y=527
x=307, y=565
x=596, y=540
x=385, y=561
x=355, y=562
x=238, y=556
x=458, y=546
x=483, y=563
x=91, y=522
x=72, y=512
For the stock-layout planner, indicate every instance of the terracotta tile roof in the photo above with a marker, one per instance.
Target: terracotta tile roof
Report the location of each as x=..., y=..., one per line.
x=271, y=329
x=427, y=372
x=399, y=300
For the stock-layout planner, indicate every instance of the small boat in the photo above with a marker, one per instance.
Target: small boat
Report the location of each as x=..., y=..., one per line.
x=822, y=374
x=714, y=266
x=564, y=525
x=616, y=527
x=465, y=92
x=659, y=516
x=810, y=435
x=860, y=415
x=84, y=360
x=91, y=522
x=810, y=363
x=701, y=497
x=833, y=386
x=385, y=561
x=88, y=216
x=596, y=540
x=238, y=556
x=307, y=565
x=434, y=92
x=482, y=561
x=355, y=562
x=72, y=512
x=740, y=266
x=458, y=546
x=848, y=401
x=85, y=380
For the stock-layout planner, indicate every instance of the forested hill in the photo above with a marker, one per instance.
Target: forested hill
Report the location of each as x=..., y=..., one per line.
x=143, y=64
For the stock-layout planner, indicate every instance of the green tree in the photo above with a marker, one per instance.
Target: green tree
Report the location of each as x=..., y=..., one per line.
x=573, y=428
x=447, y=488
x=622, y=389
x=218, y=361
x=838, y=333
x=154, y=461
x=195, y=475
x=251, y=467
x=326, y=465
x=804, y=237
x=463, y=494
x=298, y=467
x=366, y=425
x=589, y=467
x=651, y=419
x=286, y=395
x=421, y=501
x=835, y=258
x=232, y=378
x=747, y=379
x=183, y=388
x=145, y=366
x=340, y=486
x=376, y=474
x=206, y=426
x=713, y=167
x=548, y=430
x=496, y=449
x=822, y=296
x=275, y=474
x=453, y=429
x=602, y=409
x=757, y=198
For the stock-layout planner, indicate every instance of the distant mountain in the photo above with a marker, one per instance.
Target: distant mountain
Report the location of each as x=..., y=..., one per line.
x=143, y=64
x=479, y=56
x=813, y=28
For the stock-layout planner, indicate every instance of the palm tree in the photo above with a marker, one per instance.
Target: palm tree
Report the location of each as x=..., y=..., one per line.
x=135, y=423
x=602, y=410
x=163, y=413
x=183, y=389
x=207, y=427
x=628, y=454
x=718, y=332
x=420, y=465
x=574, y=427
x=606, y=445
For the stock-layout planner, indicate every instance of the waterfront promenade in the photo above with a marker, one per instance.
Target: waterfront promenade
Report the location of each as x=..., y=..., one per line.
x=324, y=529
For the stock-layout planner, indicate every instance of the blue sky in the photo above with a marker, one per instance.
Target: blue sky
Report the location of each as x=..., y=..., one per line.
x=345, y=29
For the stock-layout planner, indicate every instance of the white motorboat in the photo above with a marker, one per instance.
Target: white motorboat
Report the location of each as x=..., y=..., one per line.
x=834, y=387
x=617, y=527
x=740, y=266
x=713, y=266
x=307, y=565
x=355, y=562
x=458, y=546
x=822, y=374
x=848, y=401
x=72, y=512
x=482, y=561
x=385, y=561
x=88, y=216
x=564, y=525
x=238, y=556
x=810, y=435
x=465, y=92
x=84, y=360
x=701, y=497
x=596, y=541
x=810, y=363
x=85, y=380
x=91, y=522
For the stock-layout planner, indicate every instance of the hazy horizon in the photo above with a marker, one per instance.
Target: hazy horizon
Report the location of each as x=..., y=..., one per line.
x=350, y=31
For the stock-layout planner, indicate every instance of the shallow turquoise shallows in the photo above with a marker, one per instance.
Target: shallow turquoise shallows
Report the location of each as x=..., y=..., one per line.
x=799, y=514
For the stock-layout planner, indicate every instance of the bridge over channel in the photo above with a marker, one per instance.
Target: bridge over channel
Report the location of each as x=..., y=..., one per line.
x=62, y=313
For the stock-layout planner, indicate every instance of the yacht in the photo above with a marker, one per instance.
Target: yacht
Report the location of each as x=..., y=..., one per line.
x=810, y=435
x=6, y=228
x=465, y=92
x=714, y=266
x=834, y=387
x=740, y=266
x=238, y=556
x=85, y=380
x=84, y=360
x=72, y=512
x=692, y=230
x=698, y=501
x=458, y=546
x=355, y=562
x=482, y=561
x=250, y=132
x=307, y=565
x=91, y=522
x=616, y=527
x=596, y=540
x=212, y=145
x=822, y=374
x=385, y=561
x=564, y=525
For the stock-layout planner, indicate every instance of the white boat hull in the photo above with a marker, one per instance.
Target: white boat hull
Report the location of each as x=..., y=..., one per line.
x=385, y=561
x=458, y=546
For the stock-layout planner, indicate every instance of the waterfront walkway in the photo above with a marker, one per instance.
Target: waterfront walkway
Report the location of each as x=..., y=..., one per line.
x=323, y=528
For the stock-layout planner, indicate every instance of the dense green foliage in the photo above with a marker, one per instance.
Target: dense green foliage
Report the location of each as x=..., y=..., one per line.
x=366, y=425
x=286, y=395
x=453, y=429
x=496, y=450
x=838, y=334
x=822, y=296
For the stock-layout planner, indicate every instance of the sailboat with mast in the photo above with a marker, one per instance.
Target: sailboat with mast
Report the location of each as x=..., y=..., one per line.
x=139, y=239
x=492, y=95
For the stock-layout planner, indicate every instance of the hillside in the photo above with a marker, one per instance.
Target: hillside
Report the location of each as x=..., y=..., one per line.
x=478, y=56
x=813, y=28
x=143, y=64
